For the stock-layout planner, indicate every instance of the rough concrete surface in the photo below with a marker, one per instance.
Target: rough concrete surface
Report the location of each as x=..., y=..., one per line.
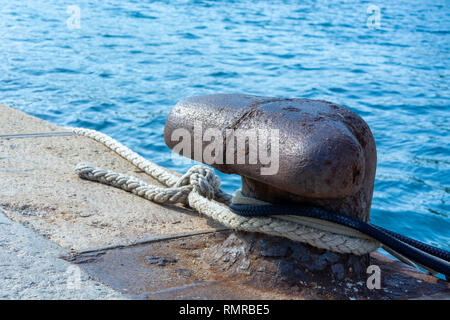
x=31, y=268
x=38, y=187
x=13, y=122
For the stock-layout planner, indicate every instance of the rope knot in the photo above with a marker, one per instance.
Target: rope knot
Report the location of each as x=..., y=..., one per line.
x=202, y=179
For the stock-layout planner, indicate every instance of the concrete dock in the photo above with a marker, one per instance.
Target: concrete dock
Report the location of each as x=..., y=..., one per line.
x=62, y=237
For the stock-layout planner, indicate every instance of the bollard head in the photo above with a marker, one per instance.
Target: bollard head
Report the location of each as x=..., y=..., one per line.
x=295, y=150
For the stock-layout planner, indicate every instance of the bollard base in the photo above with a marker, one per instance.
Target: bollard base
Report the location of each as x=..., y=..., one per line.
x=302, y=259
x=282, y=263
x=237, y=265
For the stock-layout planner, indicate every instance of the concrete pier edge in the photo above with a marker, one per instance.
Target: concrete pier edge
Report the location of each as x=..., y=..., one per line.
x=169, y=252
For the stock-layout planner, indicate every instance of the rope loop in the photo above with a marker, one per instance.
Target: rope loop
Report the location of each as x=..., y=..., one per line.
x=199, y=187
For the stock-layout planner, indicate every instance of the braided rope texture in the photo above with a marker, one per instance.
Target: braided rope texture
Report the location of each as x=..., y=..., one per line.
x=198, y=188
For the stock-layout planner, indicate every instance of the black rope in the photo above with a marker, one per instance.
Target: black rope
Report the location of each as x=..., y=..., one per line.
x=434, y=258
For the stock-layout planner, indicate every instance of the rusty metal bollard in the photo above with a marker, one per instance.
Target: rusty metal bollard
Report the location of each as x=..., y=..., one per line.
x=326, y=157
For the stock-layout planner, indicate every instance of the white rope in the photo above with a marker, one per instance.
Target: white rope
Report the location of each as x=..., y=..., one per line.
x=200, y=186
x=323, y=225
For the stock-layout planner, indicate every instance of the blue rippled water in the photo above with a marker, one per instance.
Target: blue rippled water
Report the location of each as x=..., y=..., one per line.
x=131, y=61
